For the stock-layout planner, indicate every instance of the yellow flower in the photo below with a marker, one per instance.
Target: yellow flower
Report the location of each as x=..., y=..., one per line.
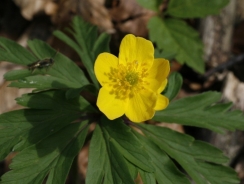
x=132, y=83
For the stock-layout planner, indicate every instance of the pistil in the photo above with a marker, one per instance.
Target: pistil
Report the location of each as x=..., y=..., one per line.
x=127, y=80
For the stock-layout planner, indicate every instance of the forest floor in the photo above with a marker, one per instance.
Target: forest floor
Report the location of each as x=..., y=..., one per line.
x=28, y=19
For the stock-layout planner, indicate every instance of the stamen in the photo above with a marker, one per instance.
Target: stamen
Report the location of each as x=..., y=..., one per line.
x=127, y=80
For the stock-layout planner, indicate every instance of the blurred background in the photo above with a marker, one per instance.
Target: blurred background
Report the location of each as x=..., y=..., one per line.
x=222, y=35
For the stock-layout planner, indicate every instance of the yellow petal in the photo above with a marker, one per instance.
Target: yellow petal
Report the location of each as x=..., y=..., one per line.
x=104, y=63
x=136, y=49
x=163, y=85
x=157, y=74
x=162, y=102
x=141, y=106
x=109, y=105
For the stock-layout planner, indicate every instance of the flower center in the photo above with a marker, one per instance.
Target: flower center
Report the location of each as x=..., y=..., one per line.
x=127, y=80
x=132, y=78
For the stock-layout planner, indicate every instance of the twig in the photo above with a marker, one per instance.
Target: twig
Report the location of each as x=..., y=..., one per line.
x=226, y=65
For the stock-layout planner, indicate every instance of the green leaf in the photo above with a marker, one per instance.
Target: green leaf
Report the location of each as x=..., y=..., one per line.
x=54, y=100
x=163, y=54
x=174, y=85
x=98, y=165
x=63, y=67
x=227, y=174
x=147, y=177
x=59, y=173
x=151, y=4
x=119, y=167
x=101, y=45
x=87, y=45
x=194, y=8
x=52, y=155
x=171, y=35
x=202, y=111
x=195, y=157
x=62, y=36
x=46, y=138
x=16, y=74
x=12, y=52
x=72, y=93
x=43, y=82
x=105, y=162
x=22, y=128
x=128, y=144
x=63, y=74
x=132, y=170
x=165, y=170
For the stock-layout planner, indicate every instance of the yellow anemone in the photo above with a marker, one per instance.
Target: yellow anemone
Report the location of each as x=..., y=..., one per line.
x=132, y=83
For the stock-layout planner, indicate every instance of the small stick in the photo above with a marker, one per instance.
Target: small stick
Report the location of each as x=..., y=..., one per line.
x=223, y=66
